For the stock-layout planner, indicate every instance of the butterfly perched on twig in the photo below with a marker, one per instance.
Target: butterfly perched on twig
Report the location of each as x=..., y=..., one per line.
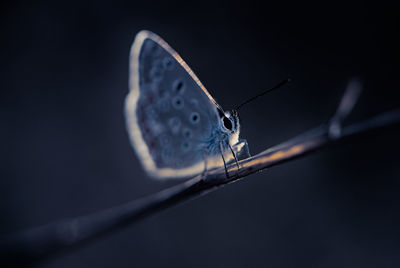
x=176, y=127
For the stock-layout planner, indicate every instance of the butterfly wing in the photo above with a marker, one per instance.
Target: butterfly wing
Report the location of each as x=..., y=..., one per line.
x=170, y=114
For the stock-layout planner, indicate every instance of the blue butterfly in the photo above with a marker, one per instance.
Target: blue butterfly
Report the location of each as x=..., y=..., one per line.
x=176, y=127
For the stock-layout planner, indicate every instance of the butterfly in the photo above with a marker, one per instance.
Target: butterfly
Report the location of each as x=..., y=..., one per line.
x=175, y=126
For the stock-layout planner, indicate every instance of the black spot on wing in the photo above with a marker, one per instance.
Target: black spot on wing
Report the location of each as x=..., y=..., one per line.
x=178, y=102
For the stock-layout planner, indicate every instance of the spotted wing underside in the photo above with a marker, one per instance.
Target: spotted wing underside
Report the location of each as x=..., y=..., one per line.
x=170, y=114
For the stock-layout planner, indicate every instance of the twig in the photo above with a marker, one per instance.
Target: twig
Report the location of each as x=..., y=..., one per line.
x=43, y=242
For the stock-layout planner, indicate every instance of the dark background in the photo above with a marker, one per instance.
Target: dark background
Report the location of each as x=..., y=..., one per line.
x=65, y=150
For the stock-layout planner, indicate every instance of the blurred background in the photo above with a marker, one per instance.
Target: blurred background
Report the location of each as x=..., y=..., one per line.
x=66, y=152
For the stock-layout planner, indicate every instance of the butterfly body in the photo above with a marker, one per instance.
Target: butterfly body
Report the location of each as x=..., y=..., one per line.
x=175, y=126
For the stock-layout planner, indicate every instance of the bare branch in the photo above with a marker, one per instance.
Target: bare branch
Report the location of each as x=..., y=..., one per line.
x=39, y=243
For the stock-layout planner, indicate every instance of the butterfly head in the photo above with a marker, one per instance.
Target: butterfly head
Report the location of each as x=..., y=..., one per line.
x=229, y=121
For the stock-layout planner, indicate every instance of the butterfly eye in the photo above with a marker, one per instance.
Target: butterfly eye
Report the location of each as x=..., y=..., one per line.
x=177, y=102
x=227, y=123
x=194, y=118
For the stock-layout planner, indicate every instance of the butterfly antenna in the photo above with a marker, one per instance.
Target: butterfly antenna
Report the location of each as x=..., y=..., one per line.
x=264, y=92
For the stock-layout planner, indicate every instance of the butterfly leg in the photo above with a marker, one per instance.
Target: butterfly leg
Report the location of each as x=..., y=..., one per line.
x=236, y=160
x=221, y=148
